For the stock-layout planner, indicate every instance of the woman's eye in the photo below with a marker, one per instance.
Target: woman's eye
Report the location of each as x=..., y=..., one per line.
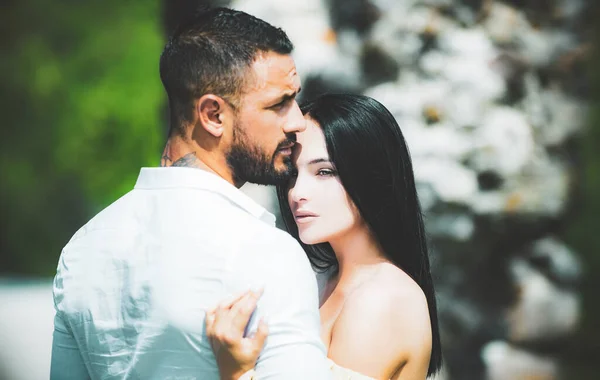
x=326, y=172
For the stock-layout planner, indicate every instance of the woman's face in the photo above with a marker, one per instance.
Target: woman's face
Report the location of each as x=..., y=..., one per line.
x=320, y=205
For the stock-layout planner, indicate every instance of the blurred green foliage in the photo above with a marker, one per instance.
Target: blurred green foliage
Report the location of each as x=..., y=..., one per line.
x=81, y=112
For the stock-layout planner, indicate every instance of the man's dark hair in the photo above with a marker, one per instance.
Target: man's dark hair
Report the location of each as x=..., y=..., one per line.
x=211, y=53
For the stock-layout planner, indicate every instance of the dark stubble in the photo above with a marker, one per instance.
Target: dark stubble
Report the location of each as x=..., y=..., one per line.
x=251, y=164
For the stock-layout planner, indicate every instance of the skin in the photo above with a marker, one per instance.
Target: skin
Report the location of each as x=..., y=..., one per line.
x=235, y=353
x=374, y=317
x=267, y=114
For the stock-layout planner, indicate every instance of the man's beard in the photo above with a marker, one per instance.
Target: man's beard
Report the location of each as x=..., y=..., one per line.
x=250, y=164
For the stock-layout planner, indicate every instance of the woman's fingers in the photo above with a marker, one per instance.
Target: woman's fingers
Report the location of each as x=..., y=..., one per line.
x=230, y=301
x=210, y=321
x=261, y=334
x=210, y=329
x=225, y=327
x=242, y=310
x=225, y=324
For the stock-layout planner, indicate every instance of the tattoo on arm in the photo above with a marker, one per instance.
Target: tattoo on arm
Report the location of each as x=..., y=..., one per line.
x=189, y=160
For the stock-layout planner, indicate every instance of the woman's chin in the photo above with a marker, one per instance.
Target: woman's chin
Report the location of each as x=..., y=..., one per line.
x=311, y=240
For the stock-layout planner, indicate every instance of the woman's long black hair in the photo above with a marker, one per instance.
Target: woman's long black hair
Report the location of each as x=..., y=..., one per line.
x=368, y=150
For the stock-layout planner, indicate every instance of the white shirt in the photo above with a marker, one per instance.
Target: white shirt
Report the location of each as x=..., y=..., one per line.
x=133, y=284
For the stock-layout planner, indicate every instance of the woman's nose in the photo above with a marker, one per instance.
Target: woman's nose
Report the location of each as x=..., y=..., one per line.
x=298, y=192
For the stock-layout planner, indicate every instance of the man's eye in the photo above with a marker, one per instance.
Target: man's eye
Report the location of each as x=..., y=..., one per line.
x=281, y=104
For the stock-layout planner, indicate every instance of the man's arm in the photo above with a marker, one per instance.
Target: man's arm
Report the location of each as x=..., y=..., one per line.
x=290, y=304
x=67, y=363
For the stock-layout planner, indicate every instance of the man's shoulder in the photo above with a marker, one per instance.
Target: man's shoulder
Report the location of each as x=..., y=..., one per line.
x=275, y=235
x=99, y=221
x=274, y=256
x=275, y=243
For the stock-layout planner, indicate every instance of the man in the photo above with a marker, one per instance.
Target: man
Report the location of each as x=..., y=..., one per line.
x=133, y=285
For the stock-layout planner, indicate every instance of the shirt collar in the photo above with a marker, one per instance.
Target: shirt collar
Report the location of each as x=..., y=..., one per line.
x=171, y=177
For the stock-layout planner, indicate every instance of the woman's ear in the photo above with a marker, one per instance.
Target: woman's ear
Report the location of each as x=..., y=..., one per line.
x=212, y=111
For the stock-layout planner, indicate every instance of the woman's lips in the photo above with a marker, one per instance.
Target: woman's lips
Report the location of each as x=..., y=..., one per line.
x=304, y=216
x=305, y=219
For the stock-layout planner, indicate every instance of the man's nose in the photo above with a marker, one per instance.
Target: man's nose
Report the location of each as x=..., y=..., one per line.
x=296, y=122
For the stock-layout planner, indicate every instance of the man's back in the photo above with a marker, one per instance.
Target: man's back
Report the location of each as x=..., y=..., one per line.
x=133, y=284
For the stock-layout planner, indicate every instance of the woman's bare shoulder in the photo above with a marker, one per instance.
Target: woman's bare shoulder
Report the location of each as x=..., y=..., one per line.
x=394, y=304
x=388, y=318
x=392, y=287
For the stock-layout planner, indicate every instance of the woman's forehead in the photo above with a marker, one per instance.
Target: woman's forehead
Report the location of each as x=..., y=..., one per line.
x=312, y=142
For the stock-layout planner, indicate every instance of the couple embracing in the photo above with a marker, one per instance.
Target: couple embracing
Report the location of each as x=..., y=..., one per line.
x=186, y=277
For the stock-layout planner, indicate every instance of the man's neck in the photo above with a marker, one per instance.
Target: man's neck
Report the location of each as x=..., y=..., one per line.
x=179, y=153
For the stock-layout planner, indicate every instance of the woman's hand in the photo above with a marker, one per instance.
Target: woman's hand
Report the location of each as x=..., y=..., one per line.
x=225, y=327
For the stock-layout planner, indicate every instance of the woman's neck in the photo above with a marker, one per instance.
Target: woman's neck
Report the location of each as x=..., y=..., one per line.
x=358, y=255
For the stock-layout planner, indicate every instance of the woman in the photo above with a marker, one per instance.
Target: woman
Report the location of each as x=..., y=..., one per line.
x=353, y=207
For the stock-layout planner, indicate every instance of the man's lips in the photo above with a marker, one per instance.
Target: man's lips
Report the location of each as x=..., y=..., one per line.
x=286, y=149
x=287, y=146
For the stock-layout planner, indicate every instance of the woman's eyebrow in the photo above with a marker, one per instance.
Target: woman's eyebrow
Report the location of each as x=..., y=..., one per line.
x=318, y=161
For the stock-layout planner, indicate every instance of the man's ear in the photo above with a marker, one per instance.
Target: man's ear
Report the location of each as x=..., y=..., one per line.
x=212, y=113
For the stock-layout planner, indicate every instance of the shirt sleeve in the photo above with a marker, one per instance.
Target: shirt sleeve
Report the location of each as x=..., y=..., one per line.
x=290, y=303
x=66, y=363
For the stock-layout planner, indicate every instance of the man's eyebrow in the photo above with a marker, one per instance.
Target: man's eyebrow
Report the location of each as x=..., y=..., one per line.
x=288, y=96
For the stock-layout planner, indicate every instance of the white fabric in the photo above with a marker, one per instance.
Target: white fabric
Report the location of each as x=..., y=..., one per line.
x=132, y=285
